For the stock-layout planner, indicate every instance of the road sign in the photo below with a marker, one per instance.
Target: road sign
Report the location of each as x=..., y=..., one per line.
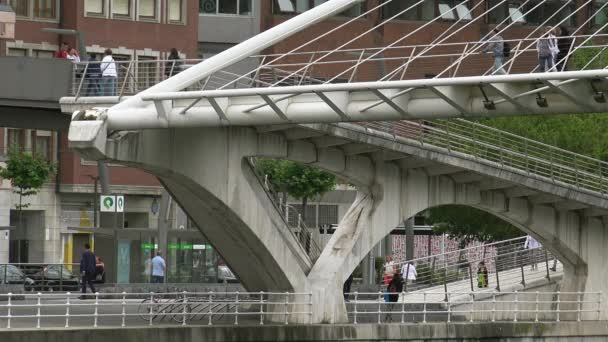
x=120, y=204
x=107, y=203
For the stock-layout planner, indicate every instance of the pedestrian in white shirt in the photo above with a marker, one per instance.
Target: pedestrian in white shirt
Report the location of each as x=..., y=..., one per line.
x=108, y=74
x=408, y=273
x=533, y=247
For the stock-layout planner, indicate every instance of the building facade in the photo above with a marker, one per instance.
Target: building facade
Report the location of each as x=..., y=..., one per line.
x=64, y=214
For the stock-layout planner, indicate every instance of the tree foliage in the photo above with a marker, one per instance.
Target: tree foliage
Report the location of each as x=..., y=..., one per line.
x=581, y=133
x=27, y=173
x=468, y=224
x=302, y=182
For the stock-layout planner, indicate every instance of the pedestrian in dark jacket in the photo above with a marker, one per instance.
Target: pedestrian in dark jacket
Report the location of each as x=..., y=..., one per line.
x=564, y=42
x=395, y=287
x=87, y=269
x=92, y=76
x=174, y=64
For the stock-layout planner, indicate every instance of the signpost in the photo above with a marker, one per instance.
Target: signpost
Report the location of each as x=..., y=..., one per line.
x=107, y=204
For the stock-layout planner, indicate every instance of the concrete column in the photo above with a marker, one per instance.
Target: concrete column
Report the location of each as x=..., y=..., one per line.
x=327, y=276
x=409, y=238
x=164, y=222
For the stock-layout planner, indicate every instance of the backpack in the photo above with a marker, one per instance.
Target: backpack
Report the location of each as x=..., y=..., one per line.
x=506, y=50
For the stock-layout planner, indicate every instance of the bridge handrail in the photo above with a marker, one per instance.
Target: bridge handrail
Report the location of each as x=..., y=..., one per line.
x=474, y=306
x=569, y=168
x=303, y=234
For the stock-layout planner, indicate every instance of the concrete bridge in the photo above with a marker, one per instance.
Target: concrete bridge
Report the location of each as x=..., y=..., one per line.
x=399, y=168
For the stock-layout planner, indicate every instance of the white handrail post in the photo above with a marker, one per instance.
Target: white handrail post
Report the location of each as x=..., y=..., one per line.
x=124, y=309
x=210, y=308
x=580, y=306
x=151, y=309
x=380, y=300
x=185, y=313
x=355, y=312
x=261, y=307
x=557, y=307
x=449, y=308
x=96, y=314
x=516, y=306
x=8, y=315
x=286, y=307
x=402, y=307
x=38, y=309
x=67, y=310
x=424, y=308
x=236, y=309
x=494, y=307
x=536, y=315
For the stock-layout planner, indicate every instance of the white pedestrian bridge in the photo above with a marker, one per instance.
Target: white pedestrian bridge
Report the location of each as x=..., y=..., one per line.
x=198, y=130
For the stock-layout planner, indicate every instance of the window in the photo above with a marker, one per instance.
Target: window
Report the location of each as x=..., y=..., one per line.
x=148, y=9
x=601, y=16
x=229, y=7
x=95, y=7
x=531, y=13
x=121, y=8
x=516, y=15
x=446, y=11
x=46, y=9
x=16, y=52
x=299, y=6
x=453, y=10
x=15, y=138
x=405, y=11
x=175, y=9
x=21, y=7
x=43, y=147
x=43, y=54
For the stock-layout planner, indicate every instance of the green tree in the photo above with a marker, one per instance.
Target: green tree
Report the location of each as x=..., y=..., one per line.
x=302, y=182
x=469, y=224
x=27, y=173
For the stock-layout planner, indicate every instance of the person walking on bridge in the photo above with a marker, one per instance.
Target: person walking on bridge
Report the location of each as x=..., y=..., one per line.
x=495, y=45
x=533, y=247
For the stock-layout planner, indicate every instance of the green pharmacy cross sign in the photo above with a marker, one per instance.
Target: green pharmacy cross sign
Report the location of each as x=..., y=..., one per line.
x=112, y=204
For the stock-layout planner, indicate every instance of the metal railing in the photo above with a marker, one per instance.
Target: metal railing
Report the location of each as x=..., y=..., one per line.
x=42, y=277
x=501, y=149
x=345, y=65
x=475, y=307
x=136, y=309
x=302, y=233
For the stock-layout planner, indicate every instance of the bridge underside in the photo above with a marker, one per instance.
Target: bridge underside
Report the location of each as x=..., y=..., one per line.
x=206, y=172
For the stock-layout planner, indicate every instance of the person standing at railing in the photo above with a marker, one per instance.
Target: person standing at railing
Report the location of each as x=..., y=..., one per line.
x=408, y=273
x=564, y=42
x=482, y=275
x=73, y=56
x=495, y=45
x=389, y=270
x=87, y=269
x=63, y=51
x=533, y=247
x=92, y=76
x=174, y=64
x=546, y=51
x=108, y=74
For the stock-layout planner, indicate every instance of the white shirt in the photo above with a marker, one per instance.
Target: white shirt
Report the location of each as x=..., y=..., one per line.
x=108, y=67
x=389, y=268
x=74, y=58
x=531, y=243
x=408, y=273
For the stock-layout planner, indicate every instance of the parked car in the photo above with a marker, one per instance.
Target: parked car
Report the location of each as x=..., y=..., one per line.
x=55, y=278
x=11, y=274
x=225, y=274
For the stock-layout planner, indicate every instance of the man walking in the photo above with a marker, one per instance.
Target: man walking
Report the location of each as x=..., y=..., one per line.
x=496, y=46
x=109, y=74
x=87, y=269
x=158, y=269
